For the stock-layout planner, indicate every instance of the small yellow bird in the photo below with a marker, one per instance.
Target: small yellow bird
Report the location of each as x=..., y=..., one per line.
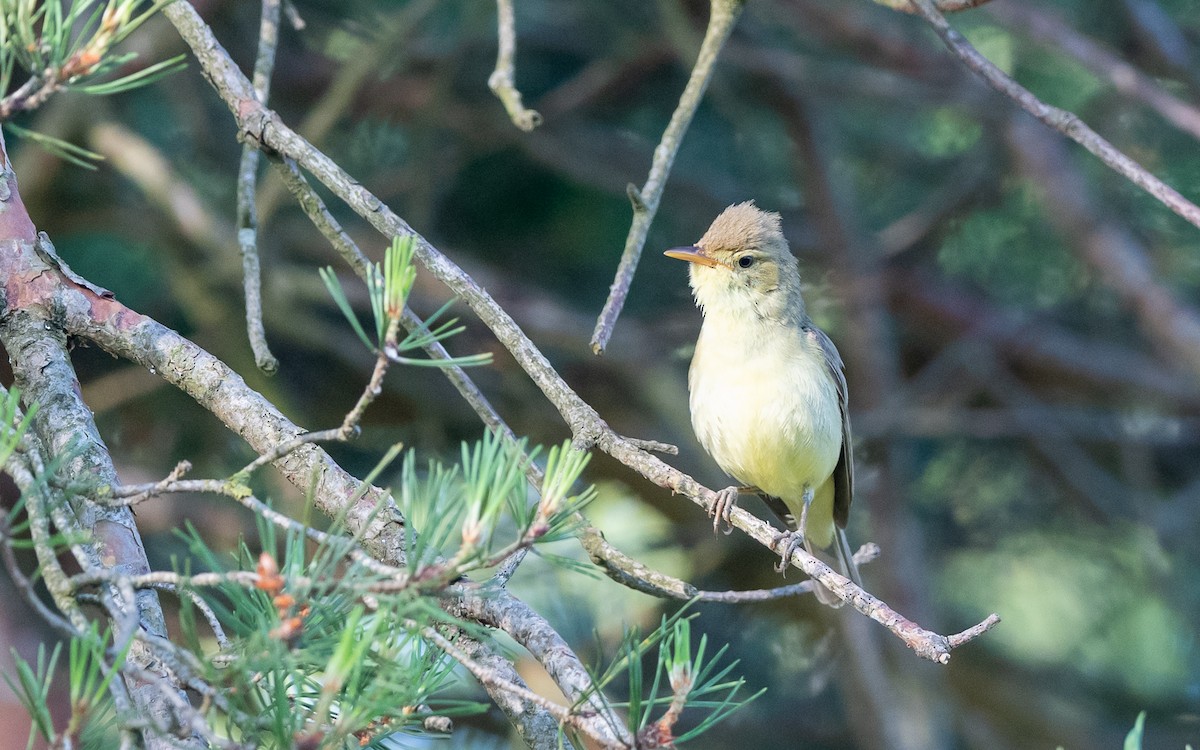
x=766, y=386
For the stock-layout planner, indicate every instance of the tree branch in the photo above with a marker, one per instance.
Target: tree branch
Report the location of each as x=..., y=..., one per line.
x=1047, y=27
x=723, y=14
x=247, y=213
x=502, y=81
x=584, y=421
x=31, y=332
x=1061, y=120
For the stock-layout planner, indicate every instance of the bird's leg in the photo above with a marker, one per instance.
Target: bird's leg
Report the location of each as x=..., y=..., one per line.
x=726, y=500
x=802, y=525
x=790, y=540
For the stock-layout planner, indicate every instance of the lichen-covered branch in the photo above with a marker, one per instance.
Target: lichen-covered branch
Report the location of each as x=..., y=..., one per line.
x=32, y=335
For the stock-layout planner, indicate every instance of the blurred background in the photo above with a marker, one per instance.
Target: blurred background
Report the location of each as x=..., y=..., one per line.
x=1018, y=322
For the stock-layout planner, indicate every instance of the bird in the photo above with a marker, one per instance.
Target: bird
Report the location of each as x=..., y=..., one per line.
x=767, y=387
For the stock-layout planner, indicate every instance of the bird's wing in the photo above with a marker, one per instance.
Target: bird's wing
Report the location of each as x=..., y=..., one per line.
x=779, y=508
x=843, y=473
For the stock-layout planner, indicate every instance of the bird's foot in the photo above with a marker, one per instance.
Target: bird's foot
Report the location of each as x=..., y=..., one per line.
x=787, y=542
x=726, y=501
x=794, y=539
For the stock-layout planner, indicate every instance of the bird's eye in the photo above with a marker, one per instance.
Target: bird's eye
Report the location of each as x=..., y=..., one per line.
x=746, y=261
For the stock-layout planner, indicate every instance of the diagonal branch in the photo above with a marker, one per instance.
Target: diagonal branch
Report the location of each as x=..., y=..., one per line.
x=1061, y=120
x=1050, y=29
x=369, y=512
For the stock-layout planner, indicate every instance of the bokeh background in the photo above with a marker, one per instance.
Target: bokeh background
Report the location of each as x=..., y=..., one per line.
x=1026, y=405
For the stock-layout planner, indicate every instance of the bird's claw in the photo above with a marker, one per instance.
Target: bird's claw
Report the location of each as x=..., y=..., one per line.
x=788, y=542
x=726, y=501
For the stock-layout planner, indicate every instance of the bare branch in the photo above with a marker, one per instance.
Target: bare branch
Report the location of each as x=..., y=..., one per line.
x=723, y=14
x=946, y=6
x=1046, y=26
x=502, y=81
x=1061, y=120
x=247, y=214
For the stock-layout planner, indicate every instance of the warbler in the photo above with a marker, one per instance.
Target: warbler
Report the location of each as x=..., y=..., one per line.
x=766, y=387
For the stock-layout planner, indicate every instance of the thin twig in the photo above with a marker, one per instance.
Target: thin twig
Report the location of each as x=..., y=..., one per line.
x=723, y=14
x=974, y=631
x=945, y=6
x=134, y=494
x=502, y=81
x=1061, y=120
x=1049, y=28
x=373, y=388
x=631, y=573
x=321, y=217
x=25, y=586
x=247, y=214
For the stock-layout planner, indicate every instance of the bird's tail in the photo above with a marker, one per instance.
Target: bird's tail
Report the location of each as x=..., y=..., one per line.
x=845, y=564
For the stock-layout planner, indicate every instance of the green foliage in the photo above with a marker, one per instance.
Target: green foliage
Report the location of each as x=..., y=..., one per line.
x=455, y=512
x=12, y=429
x=91, y=669
x=68, y=152
x=679, y=679
x=32, y=687
x=388, y=288
x=320, y=648
x=1133, y=740
x=329, y=647
x=69, y=46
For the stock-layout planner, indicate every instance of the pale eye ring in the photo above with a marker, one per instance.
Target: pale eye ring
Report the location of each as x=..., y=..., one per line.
x=746, y=261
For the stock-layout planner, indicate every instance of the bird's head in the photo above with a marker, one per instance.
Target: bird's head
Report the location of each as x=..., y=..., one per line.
x=742, y=266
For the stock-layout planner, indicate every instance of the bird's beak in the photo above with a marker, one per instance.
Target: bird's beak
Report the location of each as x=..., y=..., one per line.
x=692, y=254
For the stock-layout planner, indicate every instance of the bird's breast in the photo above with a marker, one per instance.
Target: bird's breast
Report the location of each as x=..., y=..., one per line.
x=765, y=406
